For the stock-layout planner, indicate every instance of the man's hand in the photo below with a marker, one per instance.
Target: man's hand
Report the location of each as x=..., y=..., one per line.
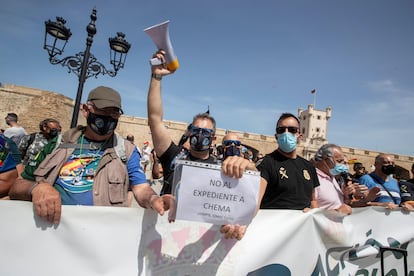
x=350, y=189
x=386, y=205
x=233, y=231
x=162, y=204
x=408, y=206
x=160, y=69
x=47, y=203
x=345, y=209
x=235, y=166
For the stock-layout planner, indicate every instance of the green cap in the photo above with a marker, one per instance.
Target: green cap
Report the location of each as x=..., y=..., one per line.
x=103, y=96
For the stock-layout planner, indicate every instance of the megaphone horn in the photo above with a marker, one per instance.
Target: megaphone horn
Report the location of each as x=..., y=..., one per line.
x=161, y=37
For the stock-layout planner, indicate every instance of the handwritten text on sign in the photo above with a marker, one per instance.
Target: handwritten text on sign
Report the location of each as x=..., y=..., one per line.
x=206, y=195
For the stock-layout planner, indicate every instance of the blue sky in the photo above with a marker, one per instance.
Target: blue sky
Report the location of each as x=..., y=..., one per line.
x=249, y=61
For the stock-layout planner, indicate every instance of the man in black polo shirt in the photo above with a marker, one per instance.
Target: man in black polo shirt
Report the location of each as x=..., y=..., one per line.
x=290, y=180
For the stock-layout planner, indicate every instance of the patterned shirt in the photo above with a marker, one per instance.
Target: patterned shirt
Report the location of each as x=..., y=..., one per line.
x=29, y=147
x=76, y=176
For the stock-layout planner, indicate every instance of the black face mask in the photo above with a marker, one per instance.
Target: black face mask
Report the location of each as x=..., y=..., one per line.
x=388, y=169
x=199, y=142
x=53, y=132
x=231, y=151
x=101, y=124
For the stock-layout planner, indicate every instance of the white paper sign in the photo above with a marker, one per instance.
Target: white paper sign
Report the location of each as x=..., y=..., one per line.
x=205, y=194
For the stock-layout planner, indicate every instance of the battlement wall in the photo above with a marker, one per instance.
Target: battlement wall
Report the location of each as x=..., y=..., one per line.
x=33, y=105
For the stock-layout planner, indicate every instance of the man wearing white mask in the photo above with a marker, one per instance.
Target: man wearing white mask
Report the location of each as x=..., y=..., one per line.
x=290, y=180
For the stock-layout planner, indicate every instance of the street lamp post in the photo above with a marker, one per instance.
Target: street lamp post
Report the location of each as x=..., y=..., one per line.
x=83, y=64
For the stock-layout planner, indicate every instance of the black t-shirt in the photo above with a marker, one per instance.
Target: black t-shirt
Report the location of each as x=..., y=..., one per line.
x=290, y=182
x=406, y=190
x=167, y=160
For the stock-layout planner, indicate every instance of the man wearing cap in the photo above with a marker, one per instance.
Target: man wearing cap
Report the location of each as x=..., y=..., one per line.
x=93, y=165
x=15, y=131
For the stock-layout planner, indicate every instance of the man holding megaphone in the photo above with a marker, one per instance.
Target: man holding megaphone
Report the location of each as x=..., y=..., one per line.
x=202, y=134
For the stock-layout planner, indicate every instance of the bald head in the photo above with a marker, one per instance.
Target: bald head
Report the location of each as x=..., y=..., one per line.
x=384, y=165
x=231, y=145
x=231, y=136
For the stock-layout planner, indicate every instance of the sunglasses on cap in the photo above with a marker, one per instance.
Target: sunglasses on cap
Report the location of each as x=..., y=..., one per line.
x=227, y=143
x=291, y=129
x=206, y=132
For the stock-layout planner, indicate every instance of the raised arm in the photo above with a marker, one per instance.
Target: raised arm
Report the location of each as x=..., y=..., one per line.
x=160, y=136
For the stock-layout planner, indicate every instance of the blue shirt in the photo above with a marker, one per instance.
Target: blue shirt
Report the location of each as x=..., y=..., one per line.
x=373, y=180
x=9, y=154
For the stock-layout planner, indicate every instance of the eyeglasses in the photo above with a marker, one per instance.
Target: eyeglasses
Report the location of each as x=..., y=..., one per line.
x=227, y=143
x=115, y=113
x=341, y=161
x=206, y=132
x=291, y=129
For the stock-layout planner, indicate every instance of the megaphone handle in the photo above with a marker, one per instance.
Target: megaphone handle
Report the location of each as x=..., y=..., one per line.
x=155, y=61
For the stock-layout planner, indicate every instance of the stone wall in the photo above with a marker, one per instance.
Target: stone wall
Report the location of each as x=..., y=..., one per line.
x=33, y=105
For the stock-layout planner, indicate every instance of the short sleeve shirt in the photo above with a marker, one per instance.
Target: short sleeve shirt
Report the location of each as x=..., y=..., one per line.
x=329, y=194
x=406, y=190
x=290, y=182
x=168, y=159
x=373, y=180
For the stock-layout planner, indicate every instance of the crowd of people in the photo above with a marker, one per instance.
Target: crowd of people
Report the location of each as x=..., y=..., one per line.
x=93, y=165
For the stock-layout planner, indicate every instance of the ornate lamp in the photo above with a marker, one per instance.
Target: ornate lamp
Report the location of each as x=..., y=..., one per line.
x=83, y=64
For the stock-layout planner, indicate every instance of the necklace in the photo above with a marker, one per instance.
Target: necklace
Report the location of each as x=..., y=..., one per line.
x=96, y=147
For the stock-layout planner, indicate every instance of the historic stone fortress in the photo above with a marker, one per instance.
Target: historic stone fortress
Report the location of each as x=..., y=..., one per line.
x=33, y=105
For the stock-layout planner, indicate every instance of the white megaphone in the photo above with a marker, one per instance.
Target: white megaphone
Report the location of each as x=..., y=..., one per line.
x=160, y=36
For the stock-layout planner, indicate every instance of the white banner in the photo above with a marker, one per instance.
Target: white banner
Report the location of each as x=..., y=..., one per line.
x=131, y=241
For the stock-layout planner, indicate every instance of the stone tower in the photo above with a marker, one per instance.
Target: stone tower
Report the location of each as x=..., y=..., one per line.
x=314, y=128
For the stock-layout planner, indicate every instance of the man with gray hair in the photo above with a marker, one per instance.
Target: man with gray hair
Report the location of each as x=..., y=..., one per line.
x=330, y=162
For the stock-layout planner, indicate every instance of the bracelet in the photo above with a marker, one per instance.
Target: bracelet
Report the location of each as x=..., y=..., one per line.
x=156, y=76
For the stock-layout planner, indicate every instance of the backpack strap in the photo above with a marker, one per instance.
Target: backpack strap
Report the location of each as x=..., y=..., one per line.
x=375, y=178
x=32, y=137
x=119, y=148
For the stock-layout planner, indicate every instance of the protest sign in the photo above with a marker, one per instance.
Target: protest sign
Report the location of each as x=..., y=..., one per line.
x=205, y=194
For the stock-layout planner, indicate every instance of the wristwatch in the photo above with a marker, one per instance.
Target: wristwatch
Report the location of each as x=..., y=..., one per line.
x=156, y=76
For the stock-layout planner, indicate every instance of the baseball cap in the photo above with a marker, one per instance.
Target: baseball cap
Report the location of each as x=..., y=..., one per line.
x=103, y=96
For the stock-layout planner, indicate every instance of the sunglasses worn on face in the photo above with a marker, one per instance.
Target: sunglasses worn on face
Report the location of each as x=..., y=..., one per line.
x=227, y=143
x=114, y=113
x=291, y=129
x=206, y=132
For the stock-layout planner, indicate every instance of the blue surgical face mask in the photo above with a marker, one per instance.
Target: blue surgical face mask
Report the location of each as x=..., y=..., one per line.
x=338, y=169
x=287, y=141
